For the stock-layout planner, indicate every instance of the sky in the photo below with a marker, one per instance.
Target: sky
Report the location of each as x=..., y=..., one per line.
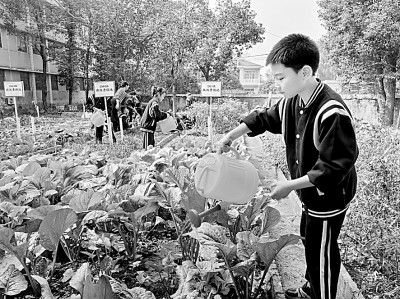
x=282, y=17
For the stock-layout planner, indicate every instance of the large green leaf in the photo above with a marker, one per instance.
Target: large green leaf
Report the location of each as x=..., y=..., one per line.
x=245, y=242
x=44, y=287
x=246, y=267
x=191, y=199
x=95, y=215
x=177, y=158
x=228, y=249
x=42, y=211
x=216, y=232
x=57, y=169
x=253, y=208
x=7, y=259
x=42, y=175
x=100, y=290
x=54, y=225
x=78, y=280
x=133, y=203
x=19, y=251
x=269, y=218
x=81, y=172
x=86, y=200
x=150, y=207
x=31, y=169
x=12, y=210
x=28, y=227
x=144, y=189
x=268, y=250
x=13, y=281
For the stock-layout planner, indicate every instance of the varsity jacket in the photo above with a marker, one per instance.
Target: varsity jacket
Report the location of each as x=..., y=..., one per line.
x=151, y=115
x=320, y=142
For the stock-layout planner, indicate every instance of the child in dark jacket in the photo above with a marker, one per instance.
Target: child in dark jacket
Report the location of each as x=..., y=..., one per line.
x=99, y=104
x=321, y=150
x=151, y=115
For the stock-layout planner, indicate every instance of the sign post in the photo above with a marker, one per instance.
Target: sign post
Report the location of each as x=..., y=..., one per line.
x=15, y=89
x=121, y=128
x=105, y=89
x=210, y=89
x=33, y=128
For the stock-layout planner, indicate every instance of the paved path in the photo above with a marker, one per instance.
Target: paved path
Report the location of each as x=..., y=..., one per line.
x=290, y=262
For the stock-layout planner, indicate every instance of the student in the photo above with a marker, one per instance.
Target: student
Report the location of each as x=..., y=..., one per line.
x=99, y=105
x=116, y=105
x=151, y=115
x=321, y=150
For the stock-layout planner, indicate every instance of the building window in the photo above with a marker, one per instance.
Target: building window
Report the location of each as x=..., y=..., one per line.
x=2, y=79
x=54, y=82
x=249, y=77
x=40, y=81
x=24, y=77
x=36, y=48
x=22, y=44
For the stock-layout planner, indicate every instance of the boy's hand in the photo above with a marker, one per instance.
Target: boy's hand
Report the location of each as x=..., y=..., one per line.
x=224, y=144
x=281, y=189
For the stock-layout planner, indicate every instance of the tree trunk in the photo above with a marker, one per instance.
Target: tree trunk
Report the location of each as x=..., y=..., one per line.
x=390, y=87
x=87, y=61
x=43, y=54
x=174, y=96
x=70, y=49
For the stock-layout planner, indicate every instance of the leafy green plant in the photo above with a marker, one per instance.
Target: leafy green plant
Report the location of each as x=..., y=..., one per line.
x=371, y=234
x=244, y=248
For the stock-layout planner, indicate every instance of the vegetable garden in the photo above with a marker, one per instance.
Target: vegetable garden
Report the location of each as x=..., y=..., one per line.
x=80, y=220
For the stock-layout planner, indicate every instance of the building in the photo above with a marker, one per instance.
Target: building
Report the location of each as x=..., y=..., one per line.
x=249, y=75
x=19, y=61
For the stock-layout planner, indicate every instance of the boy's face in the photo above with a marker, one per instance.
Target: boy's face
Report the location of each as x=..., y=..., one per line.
x=290, y=82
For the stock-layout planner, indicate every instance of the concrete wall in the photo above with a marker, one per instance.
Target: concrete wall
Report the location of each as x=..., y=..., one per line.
x=363, y=109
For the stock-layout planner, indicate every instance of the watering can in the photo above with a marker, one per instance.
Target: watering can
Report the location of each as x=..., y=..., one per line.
x=224, y=178
x=168, y=124
x=98, y=118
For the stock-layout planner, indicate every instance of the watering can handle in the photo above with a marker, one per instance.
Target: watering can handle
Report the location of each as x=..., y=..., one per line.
x=233, y=150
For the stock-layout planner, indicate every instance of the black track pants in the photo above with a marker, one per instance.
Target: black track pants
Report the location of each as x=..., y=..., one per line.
x=148, y=139
x=322, y=253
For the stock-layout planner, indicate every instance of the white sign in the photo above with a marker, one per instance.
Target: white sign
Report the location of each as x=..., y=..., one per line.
x=104, y=89
x=211, y=89
x=14, y=89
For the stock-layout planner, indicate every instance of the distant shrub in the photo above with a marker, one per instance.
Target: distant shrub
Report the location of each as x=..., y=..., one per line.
x=226, y=114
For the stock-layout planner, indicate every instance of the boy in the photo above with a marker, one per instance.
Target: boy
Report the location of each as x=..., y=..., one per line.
x=321, y=150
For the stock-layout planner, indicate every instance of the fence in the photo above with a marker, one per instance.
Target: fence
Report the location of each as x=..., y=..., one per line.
x=362, y=106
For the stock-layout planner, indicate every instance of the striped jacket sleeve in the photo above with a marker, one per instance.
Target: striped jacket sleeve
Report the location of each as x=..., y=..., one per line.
x=270, y=119
x=334, y=137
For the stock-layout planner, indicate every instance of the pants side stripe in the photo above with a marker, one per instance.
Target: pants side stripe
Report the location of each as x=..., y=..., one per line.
x=329, y=264
x=322, y=259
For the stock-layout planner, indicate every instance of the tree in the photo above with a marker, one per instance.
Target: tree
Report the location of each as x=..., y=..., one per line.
x=224, y=34
x=363, y=41
x=123, y=31
x=68, y=54
x=176, y=42
x=31, y=19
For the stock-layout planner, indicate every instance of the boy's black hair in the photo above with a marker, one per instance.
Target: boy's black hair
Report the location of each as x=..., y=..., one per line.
x=295, y=51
